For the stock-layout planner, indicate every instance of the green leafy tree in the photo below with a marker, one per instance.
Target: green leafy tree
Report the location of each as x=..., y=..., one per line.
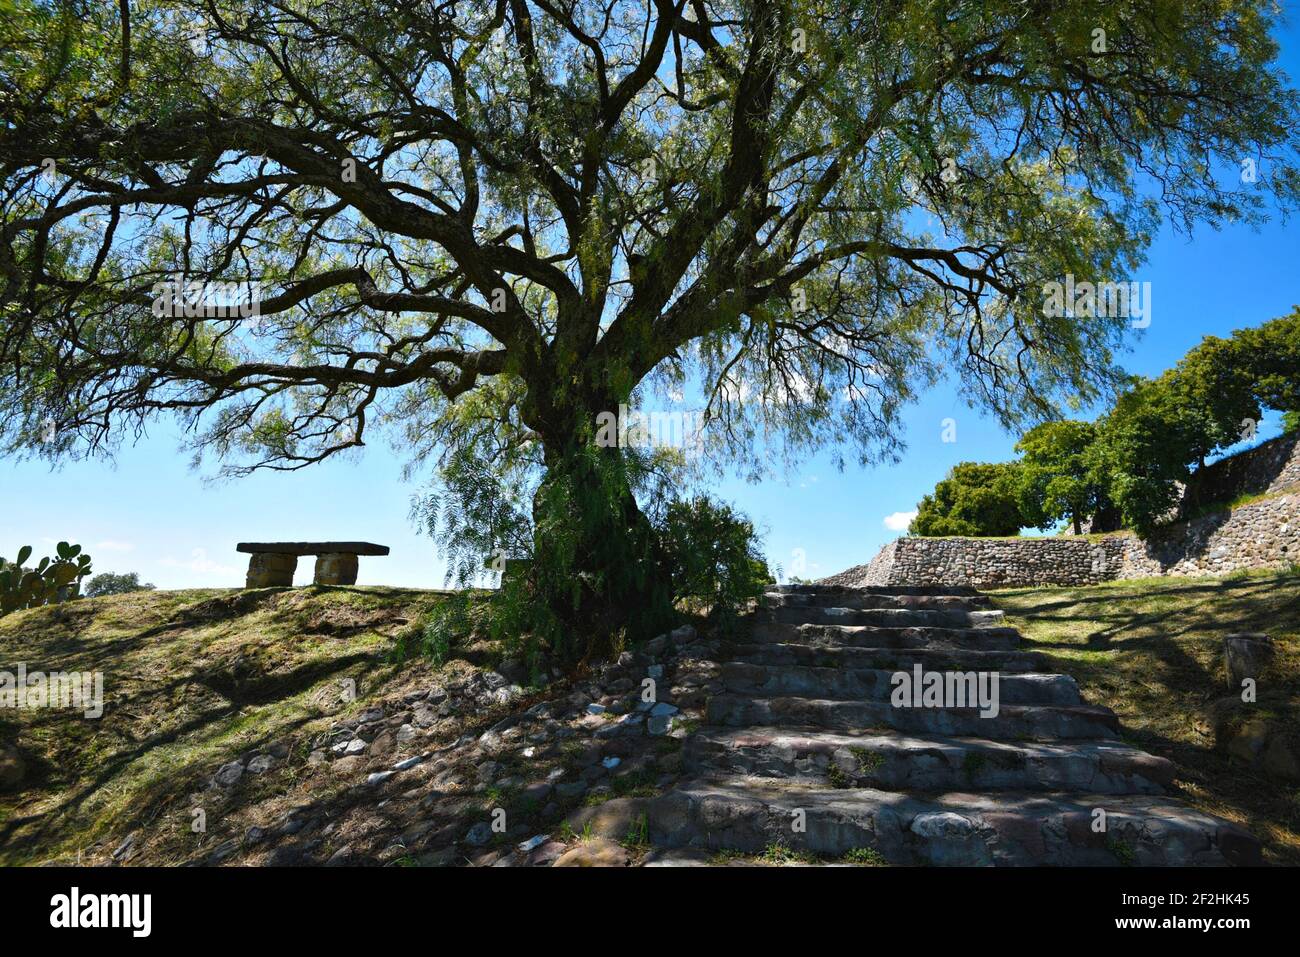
x=1269, y=354
x=109, y=583
x=976, y=498
x=1057, y=481
x=1161, y=428
x=1145, y=447
x=1216, y=392
x=486, y=224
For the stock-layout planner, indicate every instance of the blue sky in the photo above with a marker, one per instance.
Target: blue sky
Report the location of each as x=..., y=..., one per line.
x=149, y=512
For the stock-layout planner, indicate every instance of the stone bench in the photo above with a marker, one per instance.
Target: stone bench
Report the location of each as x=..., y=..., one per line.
x=273, y=563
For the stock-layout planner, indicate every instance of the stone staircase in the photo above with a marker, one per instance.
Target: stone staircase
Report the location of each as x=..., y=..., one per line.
x=804, y=750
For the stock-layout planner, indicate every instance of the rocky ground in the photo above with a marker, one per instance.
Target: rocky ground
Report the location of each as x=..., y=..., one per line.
x=493, y=797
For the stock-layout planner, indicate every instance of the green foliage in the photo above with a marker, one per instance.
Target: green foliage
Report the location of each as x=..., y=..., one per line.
x=109, y=583
x=1159, y=428
x=49, y=582
x=453, y=621
x=596, y=556
x=714, y=552
x=635, y=234
x=476, y=525
x=1214, y=390
x=1269, y=355
x=1143, y=448
x=589, y=551
x=867, y=856
x=1056, y=481
x=976, y=498
x=449, y=623
x=1136, y=457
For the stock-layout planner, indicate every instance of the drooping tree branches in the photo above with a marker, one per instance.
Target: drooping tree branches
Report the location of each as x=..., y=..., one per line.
x=519, y=213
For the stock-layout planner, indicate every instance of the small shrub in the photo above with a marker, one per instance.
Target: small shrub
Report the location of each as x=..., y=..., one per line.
x=868, y=760
x=1122, y=851
x=714, y=554
x=778, y=852
x=837, y=778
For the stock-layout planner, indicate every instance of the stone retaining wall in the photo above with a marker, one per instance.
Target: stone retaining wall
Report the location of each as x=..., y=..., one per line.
x=1272, y=466
x=993, y=562
x=1262, y=534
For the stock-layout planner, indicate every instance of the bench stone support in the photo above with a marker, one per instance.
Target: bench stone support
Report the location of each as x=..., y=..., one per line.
x=271, y=570
x=273, y=563
x=336, y=568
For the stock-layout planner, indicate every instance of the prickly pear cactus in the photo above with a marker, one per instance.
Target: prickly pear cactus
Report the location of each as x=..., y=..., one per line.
x=49, y=582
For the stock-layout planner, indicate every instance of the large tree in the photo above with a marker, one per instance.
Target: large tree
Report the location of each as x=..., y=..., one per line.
x=1057, y=480
x=974, y=498
x=1144, y=451
x=486, y=223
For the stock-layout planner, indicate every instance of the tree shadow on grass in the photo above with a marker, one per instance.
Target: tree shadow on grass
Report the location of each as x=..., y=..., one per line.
x=1155, y=656
x=261, y=690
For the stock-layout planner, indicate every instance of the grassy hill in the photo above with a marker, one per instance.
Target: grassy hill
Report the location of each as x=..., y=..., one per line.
x=1152, y=649
x=193, y=679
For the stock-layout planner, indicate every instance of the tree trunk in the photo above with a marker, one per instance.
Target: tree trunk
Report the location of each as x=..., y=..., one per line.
x=598, y=568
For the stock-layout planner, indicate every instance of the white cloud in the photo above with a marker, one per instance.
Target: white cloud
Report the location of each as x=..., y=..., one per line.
x=112, y=546
x=899, y=521
x=200, y=564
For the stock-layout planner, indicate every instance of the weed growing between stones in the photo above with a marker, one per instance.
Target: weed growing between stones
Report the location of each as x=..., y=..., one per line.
x=637, y=838
x=837, y=778
x=779, y=852
x=868, y=761
x=1122, y=851
x=865, y=856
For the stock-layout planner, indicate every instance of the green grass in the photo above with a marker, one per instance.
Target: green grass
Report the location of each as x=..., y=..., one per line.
x=191, y=679
x=1214, y=508
x=637, y=838
x=1152, y=650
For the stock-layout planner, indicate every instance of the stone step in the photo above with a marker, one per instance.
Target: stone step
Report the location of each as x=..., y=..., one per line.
x=1012, y=722
x=963, y=659
x=955, y=828
x=920, y=762
x=880, y=617
x=868, y=600
x=878, y=684
x=964, y=591
x=876, y=636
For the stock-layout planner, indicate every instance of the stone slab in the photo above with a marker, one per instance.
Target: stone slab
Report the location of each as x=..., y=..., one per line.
x=312, y=548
